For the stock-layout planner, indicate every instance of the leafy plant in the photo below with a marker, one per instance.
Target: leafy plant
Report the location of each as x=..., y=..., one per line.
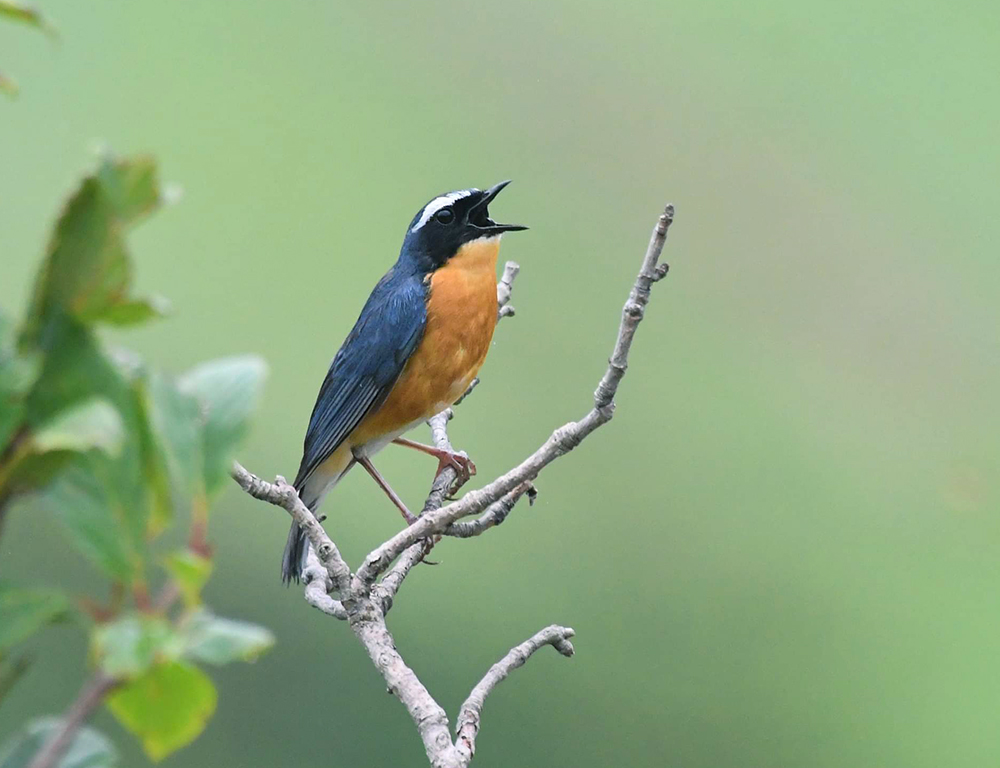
x=119, y=453
x=89, y=748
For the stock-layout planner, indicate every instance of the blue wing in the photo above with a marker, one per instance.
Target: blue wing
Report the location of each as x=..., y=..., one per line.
x=366, y=366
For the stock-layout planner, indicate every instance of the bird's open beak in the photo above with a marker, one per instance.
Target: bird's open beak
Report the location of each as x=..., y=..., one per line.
x=479, y=216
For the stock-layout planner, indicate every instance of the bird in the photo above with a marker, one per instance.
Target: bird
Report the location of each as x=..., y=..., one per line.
x=415, y=349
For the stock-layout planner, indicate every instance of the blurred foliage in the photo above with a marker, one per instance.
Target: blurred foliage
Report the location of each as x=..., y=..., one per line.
x=25, y=611
x=120, y=453
x=89, y=749
x=26, y=14
x=166, y=707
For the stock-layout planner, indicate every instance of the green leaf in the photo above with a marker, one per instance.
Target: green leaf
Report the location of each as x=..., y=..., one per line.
x=74, y=368
x=18, y=373
x=137, y=311
x=91, y=424
x=191, y=571
x=173, y=443
x=11, y=670
x=24, y=611
x=131, y=185
x=87, y=272
x=131, y=645
x=229, y=390
x=80, y=497
x=74, y=371
x=88, y=749
x=214, y=640
x=27, y=14
x=166, y=708
x=110, y=524
x=128, y=498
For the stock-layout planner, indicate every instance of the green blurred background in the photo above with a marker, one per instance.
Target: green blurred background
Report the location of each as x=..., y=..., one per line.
x=784, y=549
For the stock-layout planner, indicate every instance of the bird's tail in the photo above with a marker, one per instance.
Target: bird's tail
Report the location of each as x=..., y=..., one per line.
x=293, y=560
x=311, y=491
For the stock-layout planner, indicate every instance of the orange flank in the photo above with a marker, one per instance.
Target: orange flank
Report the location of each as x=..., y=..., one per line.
x=461, y=317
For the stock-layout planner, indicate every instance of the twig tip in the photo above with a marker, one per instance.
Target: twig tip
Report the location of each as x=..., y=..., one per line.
x=562, y=643
x=665, y=220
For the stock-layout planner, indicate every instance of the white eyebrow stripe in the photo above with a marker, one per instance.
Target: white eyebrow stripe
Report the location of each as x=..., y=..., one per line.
x=437, y=204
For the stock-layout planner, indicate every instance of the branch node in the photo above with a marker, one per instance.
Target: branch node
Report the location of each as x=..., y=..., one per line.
x=634, y=310
x=532, y=494
x=563, y=645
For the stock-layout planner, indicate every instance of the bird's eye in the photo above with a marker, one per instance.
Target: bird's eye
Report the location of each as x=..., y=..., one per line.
x=445, y=216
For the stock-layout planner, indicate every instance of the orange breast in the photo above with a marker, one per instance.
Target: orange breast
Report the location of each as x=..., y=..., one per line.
x=461, y=317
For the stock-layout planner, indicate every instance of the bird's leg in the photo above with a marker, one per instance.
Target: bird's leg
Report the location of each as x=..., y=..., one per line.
x=365, y=462
x=463, y=465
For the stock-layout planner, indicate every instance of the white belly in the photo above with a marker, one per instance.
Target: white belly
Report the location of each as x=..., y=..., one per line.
x=372, y=447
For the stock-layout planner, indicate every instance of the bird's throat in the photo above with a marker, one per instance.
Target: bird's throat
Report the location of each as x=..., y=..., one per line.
x=476, y=256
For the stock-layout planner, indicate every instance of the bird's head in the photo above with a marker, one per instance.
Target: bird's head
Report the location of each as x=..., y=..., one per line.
x=448, y=222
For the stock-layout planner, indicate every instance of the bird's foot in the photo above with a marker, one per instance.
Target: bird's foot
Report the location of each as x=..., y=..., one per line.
x=464, y=466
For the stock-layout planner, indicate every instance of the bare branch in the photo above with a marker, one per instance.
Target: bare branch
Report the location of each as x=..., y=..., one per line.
x=472, y=384
x=318, y=586
x=364, y=604
x=90, y=697
x=561, y=442
x=427, y=715
x=495, y=514
x=385, y=591
x=281, y=494
x=504, y=288
x=634, y=310
x=469, y=715
x=447, y=481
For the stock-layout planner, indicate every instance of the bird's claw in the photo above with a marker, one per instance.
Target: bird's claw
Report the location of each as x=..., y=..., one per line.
x=464, y=466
